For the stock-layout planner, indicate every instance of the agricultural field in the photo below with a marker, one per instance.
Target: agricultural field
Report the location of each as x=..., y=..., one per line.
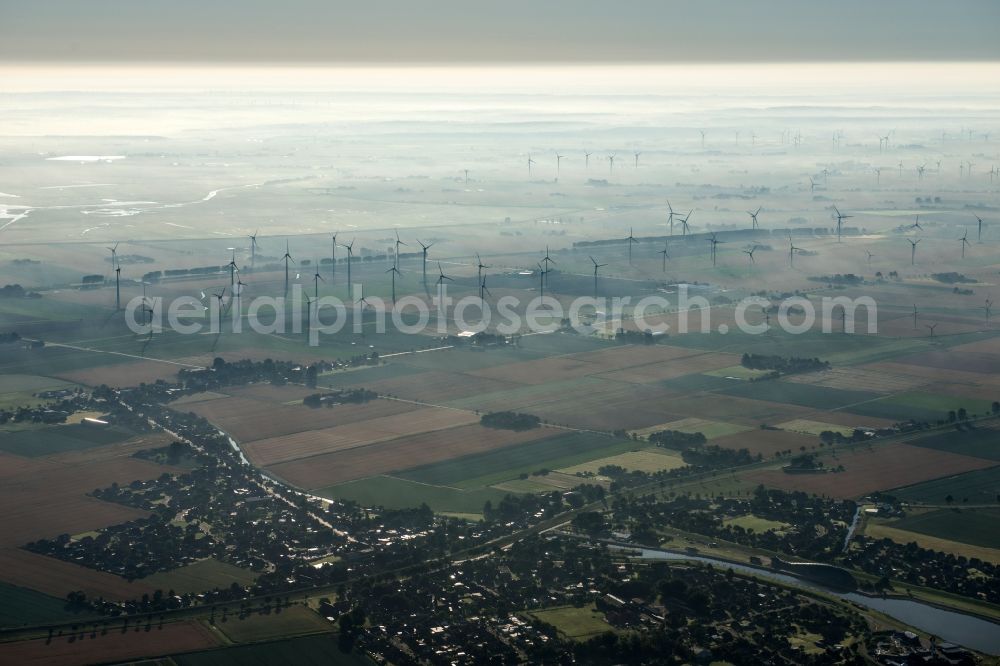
x=983, y=442
x=120, y=374
x=803, y=395
x=646, y=460
x=438, y=386
x=919, y=406
x=394, y=493
x=767, y=442
x=867, y=471
x=976, y=526
x=978, y=487
x=756, y=523
x=21, y=606
x=881, y=530
x=18, y=390
x=409, y=451
x=557, y=452
x=810, y=427
x=578, y=624
x=249, y=419
x=98, y=646
x=304, y=444
x=860, y=378
x=710, y=429
x=304, y=651
x=283, y=623
x=53, y=439
x=200, y=576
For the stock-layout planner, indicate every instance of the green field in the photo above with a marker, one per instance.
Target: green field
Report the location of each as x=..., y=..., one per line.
x=364, y=376
x=286, y=623
x=805, y=395
x=485, y=469
x=710, y=429
x=393, y=493
x=200, y=577
x=981, y=486
x=696, y=382
x=306, y=651
x=974, y=526
x=574, y=623
x=919, y=406
x=981, y=443
x=756, y=523
x=60, y=439
x=21, y=606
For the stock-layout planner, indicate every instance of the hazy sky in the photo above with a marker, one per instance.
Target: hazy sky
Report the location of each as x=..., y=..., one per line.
x=497, y=30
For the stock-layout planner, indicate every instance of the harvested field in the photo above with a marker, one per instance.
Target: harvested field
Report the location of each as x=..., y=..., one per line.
x=987, y=346
x=271, y=392
x=111, y=647
x=815, y=428
x=628, y=356
x=559, y=368
x=766, y=442
x=919, y=406
x=57, y=578
x=678, y=367
x=365, y=377
x=647, y=460
x=888, y=531
x=849, y=420
x=860, y=379
x=395, y=493
x=543, y=483
x=618, y=406
x=883, y=468
x=270, y=451
x=933, y=375
x=248, y=419
x=436, y=386
x=737, y=409
x=196, y=397
x=972, y=526
x=955, y=360
x=123, y=374
x=402, y=453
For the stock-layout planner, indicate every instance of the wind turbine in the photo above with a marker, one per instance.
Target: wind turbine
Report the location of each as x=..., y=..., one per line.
x=596, y=266
x=791, y=251
x=870, y=255
x=466, y=176
x=920, y=171
x=702, y=132
x=559, y=159
x=333, y=260
x=395, y=271
x=979, y=235
x=637, y=153
x=483, y=290
x=666, y=256
x=440, y=282
x=631, y=239
x=586, y=157
x=480, y=265
x=670, y=217
x=916, y=224
x=749, y=252
x=316, y=278
x=530, y=162
x=232, y=269
x=253, y=248
x=878, y=175
x=547, y=260
x=915, y=313
x=931, y=327
x=350, y=260
x=965, y=241
x=423, y=248
x=840, y=221
x=118, y=272
x=989, y=305
x=287, y=258
x=611, y=163
x=913, y=250
x=753, y=217
x=714, y=241
x=398, y=243
x=812, y=184
x=542, y=272
x=684, y=224
x=219, y=298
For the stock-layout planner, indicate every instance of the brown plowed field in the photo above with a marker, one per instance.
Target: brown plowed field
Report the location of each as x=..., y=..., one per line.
x=401, y=453
x=889, y=466
x=248, y=419
x=360, y=433
x=766, y=442
x=123, y=374
x=655, y=372
x=115, y=646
